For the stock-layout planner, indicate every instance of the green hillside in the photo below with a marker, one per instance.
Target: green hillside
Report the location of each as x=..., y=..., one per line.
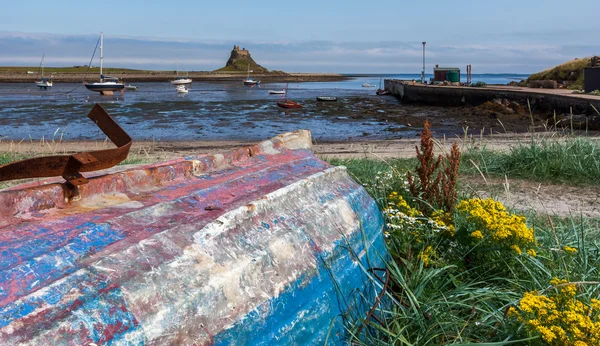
x=570, y=72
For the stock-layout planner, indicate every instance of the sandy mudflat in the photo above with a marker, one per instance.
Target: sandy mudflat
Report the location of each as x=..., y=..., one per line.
x=374, y=149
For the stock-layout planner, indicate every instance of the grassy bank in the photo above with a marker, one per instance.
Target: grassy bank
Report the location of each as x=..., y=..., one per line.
x=48, y=70
x=478, y=273
x=572, y=160
x=571, y=71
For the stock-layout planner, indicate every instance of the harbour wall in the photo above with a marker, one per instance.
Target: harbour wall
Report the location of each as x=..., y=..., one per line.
x=545, y=100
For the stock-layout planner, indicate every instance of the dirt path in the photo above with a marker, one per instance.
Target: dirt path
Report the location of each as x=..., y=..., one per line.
x=543, y=198
x=157, y=150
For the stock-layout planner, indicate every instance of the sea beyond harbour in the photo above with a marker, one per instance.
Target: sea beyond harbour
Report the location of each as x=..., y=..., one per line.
x=210, y=111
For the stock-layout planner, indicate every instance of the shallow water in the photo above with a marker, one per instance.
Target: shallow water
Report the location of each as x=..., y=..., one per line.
x=210, y=111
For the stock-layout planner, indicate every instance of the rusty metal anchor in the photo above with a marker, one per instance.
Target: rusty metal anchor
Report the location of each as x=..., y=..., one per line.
x=71, y=166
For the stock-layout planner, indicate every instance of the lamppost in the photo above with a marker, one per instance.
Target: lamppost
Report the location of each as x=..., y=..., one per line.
x=423, y=72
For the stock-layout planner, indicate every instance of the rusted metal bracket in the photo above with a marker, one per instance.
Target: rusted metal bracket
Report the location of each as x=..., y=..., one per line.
x=71, y=166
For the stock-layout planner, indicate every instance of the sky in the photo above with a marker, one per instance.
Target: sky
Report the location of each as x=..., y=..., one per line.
x=508, y=36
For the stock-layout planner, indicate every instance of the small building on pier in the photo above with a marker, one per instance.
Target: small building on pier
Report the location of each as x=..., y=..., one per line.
x=450, y=74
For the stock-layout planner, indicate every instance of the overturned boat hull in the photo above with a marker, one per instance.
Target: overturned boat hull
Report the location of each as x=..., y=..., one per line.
x=261, y=245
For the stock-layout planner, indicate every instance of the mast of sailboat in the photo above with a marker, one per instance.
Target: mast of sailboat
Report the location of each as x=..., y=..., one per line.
x=101, y=55
x=177, y=67
x=42, y=66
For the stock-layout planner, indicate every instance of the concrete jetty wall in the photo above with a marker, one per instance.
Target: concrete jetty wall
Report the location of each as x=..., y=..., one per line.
x=543, y=99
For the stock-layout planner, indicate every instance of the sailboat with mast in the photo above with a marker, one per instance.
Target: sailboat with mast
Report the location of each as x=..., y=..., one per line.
x=44, y=83
x=249, y=81
x=181, y=80
x=107, y=84
x=381, y=90
x=287, y=103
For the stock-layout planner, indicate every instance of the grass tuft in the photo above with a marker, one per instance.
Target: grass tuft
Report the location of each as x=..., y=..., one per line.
x=572, y=160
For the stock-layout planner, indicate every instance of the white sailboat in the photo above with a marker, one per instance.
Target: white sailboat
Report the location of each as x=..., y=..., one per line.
x=181, y=89
x=107, y=85
x=44, y=83
x=181, y=80
x=249, y=81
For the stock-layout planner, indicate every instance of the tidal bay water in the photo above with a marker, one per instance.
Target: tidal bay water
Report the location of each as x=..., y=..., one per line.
x=210, y=111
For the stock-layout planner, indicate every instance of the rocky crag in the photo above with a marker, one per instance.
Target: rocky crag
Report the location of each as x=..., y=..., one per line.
x=239, y=60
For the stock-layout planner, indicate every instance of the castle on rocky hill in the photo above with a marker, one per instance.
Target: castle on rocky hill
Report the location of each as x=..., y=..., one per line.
x=239, y=59
x=240, y=52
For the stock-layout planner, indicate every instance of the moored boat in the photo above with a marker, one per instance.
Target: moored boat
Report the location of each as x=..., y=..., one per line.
x=326, y=98
x=277, y=92
x=289, y=104
x=261, y=245
x=131, y=87
x=250, y=81
x=44, y=83
x=381, y=90
x=180, y=80
x=107, y=85
x=182, y=89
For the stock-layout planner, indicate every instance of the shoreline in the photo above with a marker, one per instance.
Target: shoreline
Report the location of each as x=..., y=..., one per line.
x=162, y=76
x=153, y=151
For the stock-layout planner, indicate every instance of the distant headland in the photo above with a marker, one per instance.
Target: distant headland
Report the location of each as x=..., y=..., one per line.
x=238, y=65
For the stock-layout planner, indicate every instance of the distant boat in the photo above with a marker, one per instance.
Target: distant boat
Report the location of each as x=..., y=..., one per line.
x=107, y=85
x=277, y=92
x=249, y=81
x=131, y=87
x=327, y=98
x=180, y=80
x=381, y=90
x=368, y=85
x=182, y=89
x=288, y=103
x=44, y=83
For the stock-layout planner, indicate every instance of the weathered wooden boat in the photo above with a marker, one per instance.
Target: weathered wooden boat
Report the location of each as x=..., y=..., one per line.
x=326, y=98
x=261, y=245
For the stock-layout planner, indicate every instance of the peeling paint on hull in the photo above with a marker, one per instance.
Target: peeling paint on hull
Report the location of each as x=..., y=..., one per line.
x=262, y=245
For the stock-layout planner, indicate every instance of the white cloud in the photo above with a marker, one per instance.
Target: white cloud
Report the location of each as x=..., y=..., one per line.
x=295, y=56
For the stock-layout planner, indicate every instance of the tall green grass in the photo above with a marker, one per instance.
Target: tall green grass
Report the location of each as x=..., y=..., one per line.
x=572, y=160
x=460, y=302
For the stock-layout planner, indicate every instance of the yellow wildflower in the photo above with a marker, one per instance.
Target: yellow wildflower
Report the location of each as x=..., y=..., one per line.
x=426, y=255
x=531, y=252
x=570, y=250
x=560, y=318
x=477, y=234
x=497, y=226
